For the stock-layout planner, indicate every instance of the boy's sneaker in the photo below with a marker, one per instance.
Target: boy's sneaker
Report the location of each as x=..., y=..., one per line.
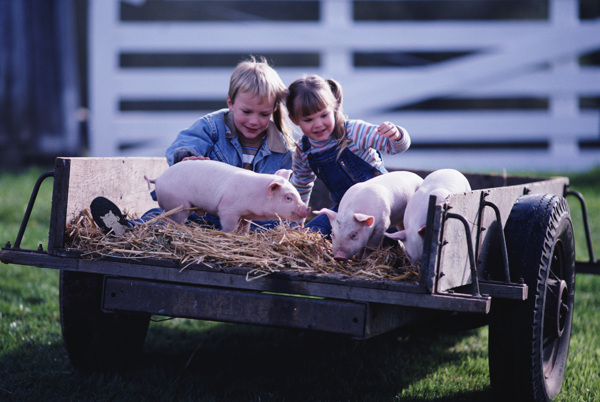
x=108, y=216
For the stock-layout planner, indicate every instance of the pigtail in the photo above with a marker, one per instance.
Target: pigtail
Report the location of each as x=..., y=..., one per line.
x=310, y=94
x=282, y=124
x=339, y=130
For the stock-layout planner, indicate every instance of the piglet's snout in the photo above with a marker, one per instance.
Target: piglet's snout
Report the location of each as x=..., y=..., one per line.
x=340, y=255
x=303, y=211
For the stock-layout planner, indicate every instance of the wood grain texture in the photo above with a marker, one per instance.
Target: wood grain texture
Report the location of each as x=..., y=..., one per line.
x=121, y=180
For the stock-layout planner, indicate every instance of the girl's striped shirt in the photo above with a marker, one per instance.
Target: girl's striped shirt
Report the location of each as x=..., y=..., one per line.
x=364, y=141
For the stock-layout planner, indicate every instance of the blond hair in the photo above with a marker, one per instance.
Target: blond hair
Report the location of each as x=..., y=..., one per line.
x=257, y=77
x=311, y=94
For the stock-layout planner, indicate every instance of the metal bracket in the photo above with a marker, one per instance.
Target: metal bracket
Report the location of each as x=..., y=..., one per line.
x=586, y=225
x=34, y=194
x=473, y=267
x=504, y=251
x=591, y=266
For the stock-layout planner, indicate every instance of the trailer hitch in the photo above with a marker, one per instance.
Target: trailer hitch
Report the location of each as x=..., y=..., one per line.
x=32, y=199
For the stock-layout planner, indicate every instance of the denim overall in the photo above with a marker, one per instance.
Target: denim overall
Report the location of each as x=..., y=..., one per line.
x=338, y=175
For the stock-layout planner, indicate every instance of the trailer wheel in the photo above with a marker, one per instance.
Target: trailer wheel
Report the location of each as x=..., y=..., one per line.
x=529, y=340
x=96, y=340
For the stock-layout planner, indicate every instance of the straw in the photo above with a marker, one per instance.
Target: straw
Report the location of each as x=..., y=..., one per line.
x=262, y=252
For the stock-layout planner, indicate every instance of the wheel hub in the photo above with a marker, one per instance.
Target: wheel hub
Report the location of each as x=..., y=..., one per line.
x=558, y=307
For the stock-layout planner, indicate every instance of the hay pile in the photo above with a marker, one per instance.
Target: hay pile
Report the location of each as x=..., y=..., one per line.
x=262, y=252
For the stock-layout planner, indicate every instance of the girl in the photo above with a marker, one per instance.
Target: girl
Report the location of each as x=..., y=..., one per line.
x=340, y=152
x=242, y=135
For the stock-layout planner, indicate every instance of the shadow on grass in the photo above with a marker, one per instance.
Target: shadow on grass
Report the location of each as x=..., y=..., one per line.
x=238, y=362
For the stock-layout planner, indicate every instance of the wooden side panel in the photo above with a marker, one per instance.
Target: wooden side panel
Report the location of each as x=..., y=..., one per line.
x=454, y=266
x=227, y=305
x=119, y=179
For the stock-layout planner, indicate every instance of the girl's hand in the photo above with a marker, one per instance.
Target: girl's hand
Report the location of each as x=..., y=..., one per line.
x=196, y=158
x=389, y=130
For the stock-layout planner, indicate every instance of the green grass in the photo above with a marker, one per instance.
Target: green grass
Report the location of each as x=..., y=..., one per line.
x=205, y=361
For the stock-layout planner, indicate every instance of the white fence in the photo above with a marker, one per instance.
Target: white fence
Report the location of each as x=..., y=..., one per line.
x=534, y=59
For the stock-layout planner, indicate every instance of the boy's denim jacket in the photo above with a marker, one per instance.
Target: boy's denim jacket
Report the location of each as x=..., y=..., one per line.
x=214, y=135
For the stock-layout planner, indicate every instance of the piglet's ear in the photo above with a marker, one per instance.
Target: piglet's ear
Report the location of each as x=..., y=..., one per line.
x=399, y=235
x=421, y=231
x=330, y=214
x=364, y=219
x=274, y=186
x=285, y=173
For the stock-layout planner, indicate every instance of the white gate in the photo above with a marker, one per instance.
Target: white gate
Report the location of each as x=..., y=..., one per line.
x=535, y=59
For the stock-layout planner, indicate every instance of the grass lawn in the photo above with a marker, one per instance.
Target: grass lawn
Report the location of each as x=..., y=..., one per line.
x=206, y=361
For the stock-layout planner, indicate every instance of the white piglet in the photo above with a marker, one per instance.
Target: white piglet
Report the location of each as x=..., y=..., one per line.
x=230, y=192
x=440, y=183
x=367, y=210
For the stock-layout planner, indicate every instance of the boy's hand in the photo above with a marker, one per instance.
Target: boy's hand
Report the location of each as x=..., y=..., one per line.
x=196, y=158
x=389, y=130
x=182, y=154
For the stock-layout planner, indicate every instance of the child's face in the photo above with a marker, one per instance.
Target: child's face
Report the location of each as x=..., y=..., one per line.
x=251, y=115
x=317, y=126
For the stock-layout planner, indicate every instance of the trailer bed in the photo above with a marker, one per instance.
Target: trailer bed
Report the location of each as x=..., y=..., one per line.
x=445, y=279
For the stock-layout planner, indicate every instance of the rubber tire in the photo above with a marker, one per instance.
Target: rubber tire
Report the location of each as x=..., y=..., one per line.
x=541, y=251
x=97, y=340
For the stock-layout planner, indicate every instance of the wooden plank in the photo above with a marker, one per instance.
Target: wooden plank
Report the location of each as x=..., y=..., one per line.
x=119, y=179
x=243, y=307
x=493, y=126
x=542, y=83
x=187, y=83
x=401, y=294
x=438, y=35
x=197, y=82
x=384, y=317
x=58, y=212
x=503, y=290
x=103, y=63
x=431, y=247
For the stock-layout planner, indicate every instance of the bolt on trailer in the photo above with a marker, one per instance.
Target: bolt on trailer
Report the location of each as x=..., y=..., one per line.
x=501, y=254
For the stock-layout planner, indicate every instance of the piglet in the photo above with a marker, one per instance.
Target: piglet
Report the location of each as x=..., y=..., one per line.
x=230, y=192
x=367, y=210
x=440, y=183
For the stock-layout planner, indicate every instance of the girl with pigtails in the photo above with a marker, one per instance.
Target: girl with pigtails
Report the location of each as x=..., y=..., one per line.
x=339, y=151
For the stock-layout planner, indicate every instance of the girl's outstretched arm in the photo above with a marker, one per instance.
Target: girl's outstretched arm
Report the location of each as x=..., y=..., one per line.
x=389, y=130
x=387, y=137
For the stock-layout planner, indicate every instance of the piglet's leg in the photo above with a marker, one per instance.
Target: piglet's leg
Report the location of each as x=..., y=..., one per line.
x=180, y=217
x=184, y=210
x=244, y=226
x=229, y=223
